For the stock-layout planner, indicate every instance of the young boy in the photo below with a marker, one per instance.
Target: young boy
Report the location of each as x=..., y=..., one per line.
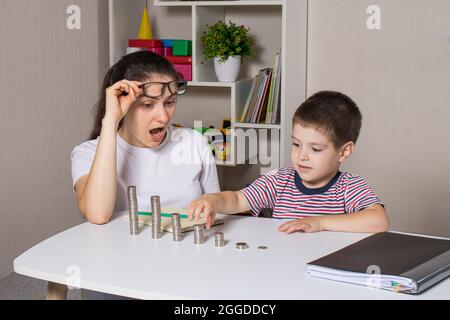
x=314, y=191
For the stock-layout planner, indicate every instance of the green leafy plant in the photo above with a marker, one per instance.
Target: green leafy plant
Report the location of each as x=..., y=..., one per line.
x=225, y=40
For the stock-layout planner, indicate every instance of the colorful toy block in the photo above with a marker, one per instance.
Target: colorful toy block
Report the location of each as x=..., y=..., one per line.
x=185, y=70
x=179, y=59
x=182, y=47
x=158, y=50
x=167, y=51
x=140, y=43
x=167, y=43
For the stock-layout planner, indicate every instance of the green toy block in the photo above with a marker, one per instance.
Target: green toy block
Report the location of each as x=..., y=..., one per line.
x=182, y=48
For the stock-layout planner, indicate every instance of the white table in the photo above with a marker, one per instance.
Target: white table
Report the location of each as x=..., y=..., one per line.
x=110, y=260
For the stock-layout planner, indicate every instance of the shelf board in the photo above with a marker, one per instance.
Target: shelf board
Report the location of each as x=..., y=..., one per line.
x=215, y=83
x=219, y=3
x=256, y=125
x=224, y=163
x=210, y=84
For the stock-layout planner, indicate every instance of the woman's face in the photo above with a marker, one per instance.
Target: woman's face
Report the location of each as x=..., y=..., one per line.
x=145, y=125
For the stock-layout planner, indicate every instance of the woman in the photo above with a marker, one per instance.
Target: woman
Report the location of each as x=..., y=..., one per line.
x=132, y=143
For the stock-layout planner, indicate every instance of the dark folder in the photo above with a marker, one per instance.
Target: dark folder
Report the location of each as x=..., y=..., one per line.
x=387, y=260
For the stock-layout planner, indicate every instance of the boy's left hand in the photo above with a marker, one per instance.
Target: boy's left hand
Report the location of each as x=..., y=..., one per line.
x=308, y=225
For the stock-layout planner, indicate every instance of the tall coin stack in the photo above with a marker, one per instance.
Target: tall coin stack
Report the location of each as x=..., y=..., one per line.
x=156, y=217
x=176, y=227
x=199, y=234
x=133, y=210
x=219, y=239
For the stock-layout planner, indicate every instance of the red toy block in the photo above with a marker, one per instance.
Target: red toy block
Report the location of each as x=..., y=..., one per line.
x=158, y=50
x=167, y=51
x=139, y=43
x=179, y=59
x=185, y=70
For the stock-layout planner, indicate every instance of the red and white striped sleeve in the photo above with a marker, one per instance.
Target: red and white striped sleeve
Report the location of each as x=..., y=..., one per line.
x=261, y=193
x=359, y=195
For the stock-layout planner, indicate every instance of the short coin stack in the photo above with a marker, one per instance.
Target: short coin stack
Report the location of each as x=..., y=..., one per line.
x=133, y=210
x=199, y=234
x=241, y=246
x=156, y=217
x=176, y=227
x=219, y=239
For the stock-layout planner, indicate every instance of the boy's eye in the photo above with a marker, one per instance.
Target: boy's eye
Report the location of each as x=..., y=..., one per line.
x=170, y=103
x=316, y=150
x=295, y=144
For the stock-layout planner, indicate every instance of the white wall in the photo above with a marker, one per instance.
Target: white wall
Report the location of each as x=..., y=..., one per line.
x=49, y=81
x=400, y=77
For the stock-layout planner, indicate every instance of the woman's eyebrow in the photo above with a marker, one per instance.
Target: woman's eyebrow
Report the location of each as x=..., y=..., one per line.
x=148, y=99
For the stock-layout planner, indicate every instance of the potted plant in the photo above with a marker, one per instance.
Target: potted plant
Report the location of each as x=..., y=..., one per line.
x=227, y=44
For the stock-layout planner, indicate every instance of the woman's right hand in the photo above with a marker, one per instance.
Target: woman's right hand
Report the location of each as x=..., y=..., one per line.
x=117, y=105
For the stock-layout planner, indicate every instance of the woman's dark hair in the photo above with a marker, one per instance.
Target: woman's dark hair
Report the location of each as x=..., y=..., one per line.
x=332, y=112
x=138, y=66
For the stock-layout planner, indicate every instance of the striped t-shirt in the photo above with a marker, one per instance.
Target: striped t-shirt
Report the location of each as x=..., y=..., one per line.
x=283, y=191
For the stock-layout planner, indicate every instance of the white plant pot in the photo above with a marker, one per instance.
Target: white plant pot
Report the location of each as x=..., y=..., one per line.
x=227, y=71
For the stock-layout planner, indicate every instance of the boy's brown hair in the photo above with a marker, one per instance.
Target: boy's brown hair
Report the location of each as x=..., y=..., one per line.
x=332, y=113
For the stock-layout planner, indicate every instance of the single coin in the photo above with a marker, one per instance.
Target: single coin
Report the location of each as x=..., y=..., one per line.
x=262, y=248
x=241, y=246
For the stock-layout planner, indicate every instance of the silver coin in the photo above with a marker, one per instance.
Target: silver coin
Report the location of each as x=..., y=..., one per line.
x=263, y=248
x=241, y=245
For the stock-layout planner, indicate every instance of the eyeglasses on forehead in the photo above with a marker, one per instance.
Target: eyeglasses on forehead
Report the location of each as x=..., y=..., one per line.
x=157, y=89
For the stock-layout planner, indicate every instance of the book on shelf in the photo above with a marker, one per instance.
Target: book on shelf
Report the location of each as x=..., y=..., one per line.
x=251, y=99
x=273, y=87
x=390, y=261
x=259, y=93
x=276, y=101
x=262, y=104
x=247, y=103
x=261, y=110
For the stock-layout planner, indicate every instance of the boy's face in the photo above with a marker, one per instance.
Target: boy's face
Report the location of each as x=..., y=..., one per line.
x=314, y=156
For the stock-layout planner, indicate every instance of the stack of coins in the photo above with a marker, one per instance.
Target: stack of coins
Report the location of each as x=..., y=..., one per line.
x=199, y=234
x=156, y=217
x=133, y=210
x=176, y=227
x=219, y=239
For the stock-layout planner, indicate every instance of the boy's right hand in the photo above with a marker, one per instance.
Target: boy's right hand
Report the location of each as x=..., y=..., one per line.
x=205, y=205
x=117, y=105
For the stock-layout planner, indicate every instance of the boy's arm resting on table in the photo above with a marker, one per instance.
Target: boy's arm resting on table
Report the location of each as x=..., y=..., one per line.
x=371, y=220
x=228, y=202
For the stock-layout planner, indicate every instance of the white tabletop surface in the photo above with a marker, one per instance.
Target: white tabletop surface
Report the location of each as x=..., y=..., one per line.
x=108, y=259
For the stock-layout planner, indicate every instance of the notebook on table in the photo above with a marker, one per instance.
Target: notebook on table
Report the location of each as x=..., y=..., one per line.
x=391, y=261
x=166, y=219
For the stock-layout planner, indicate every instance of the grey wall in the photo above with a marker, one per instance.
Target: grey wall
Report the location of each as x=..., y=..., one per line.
x=49, y=80
x=400, y=77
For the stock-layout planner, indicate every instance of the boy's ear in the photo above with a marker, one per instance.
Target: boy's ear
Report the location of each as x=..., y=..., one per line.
x=346, y=151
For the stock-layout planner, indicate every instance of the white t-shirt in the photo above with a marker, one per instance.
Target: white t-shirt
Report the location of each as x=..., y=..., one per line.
x=180, y=170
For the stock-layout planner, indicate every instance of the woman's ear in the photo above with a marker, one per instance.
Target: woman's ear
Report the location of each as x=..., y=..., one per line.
x=346, y=151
